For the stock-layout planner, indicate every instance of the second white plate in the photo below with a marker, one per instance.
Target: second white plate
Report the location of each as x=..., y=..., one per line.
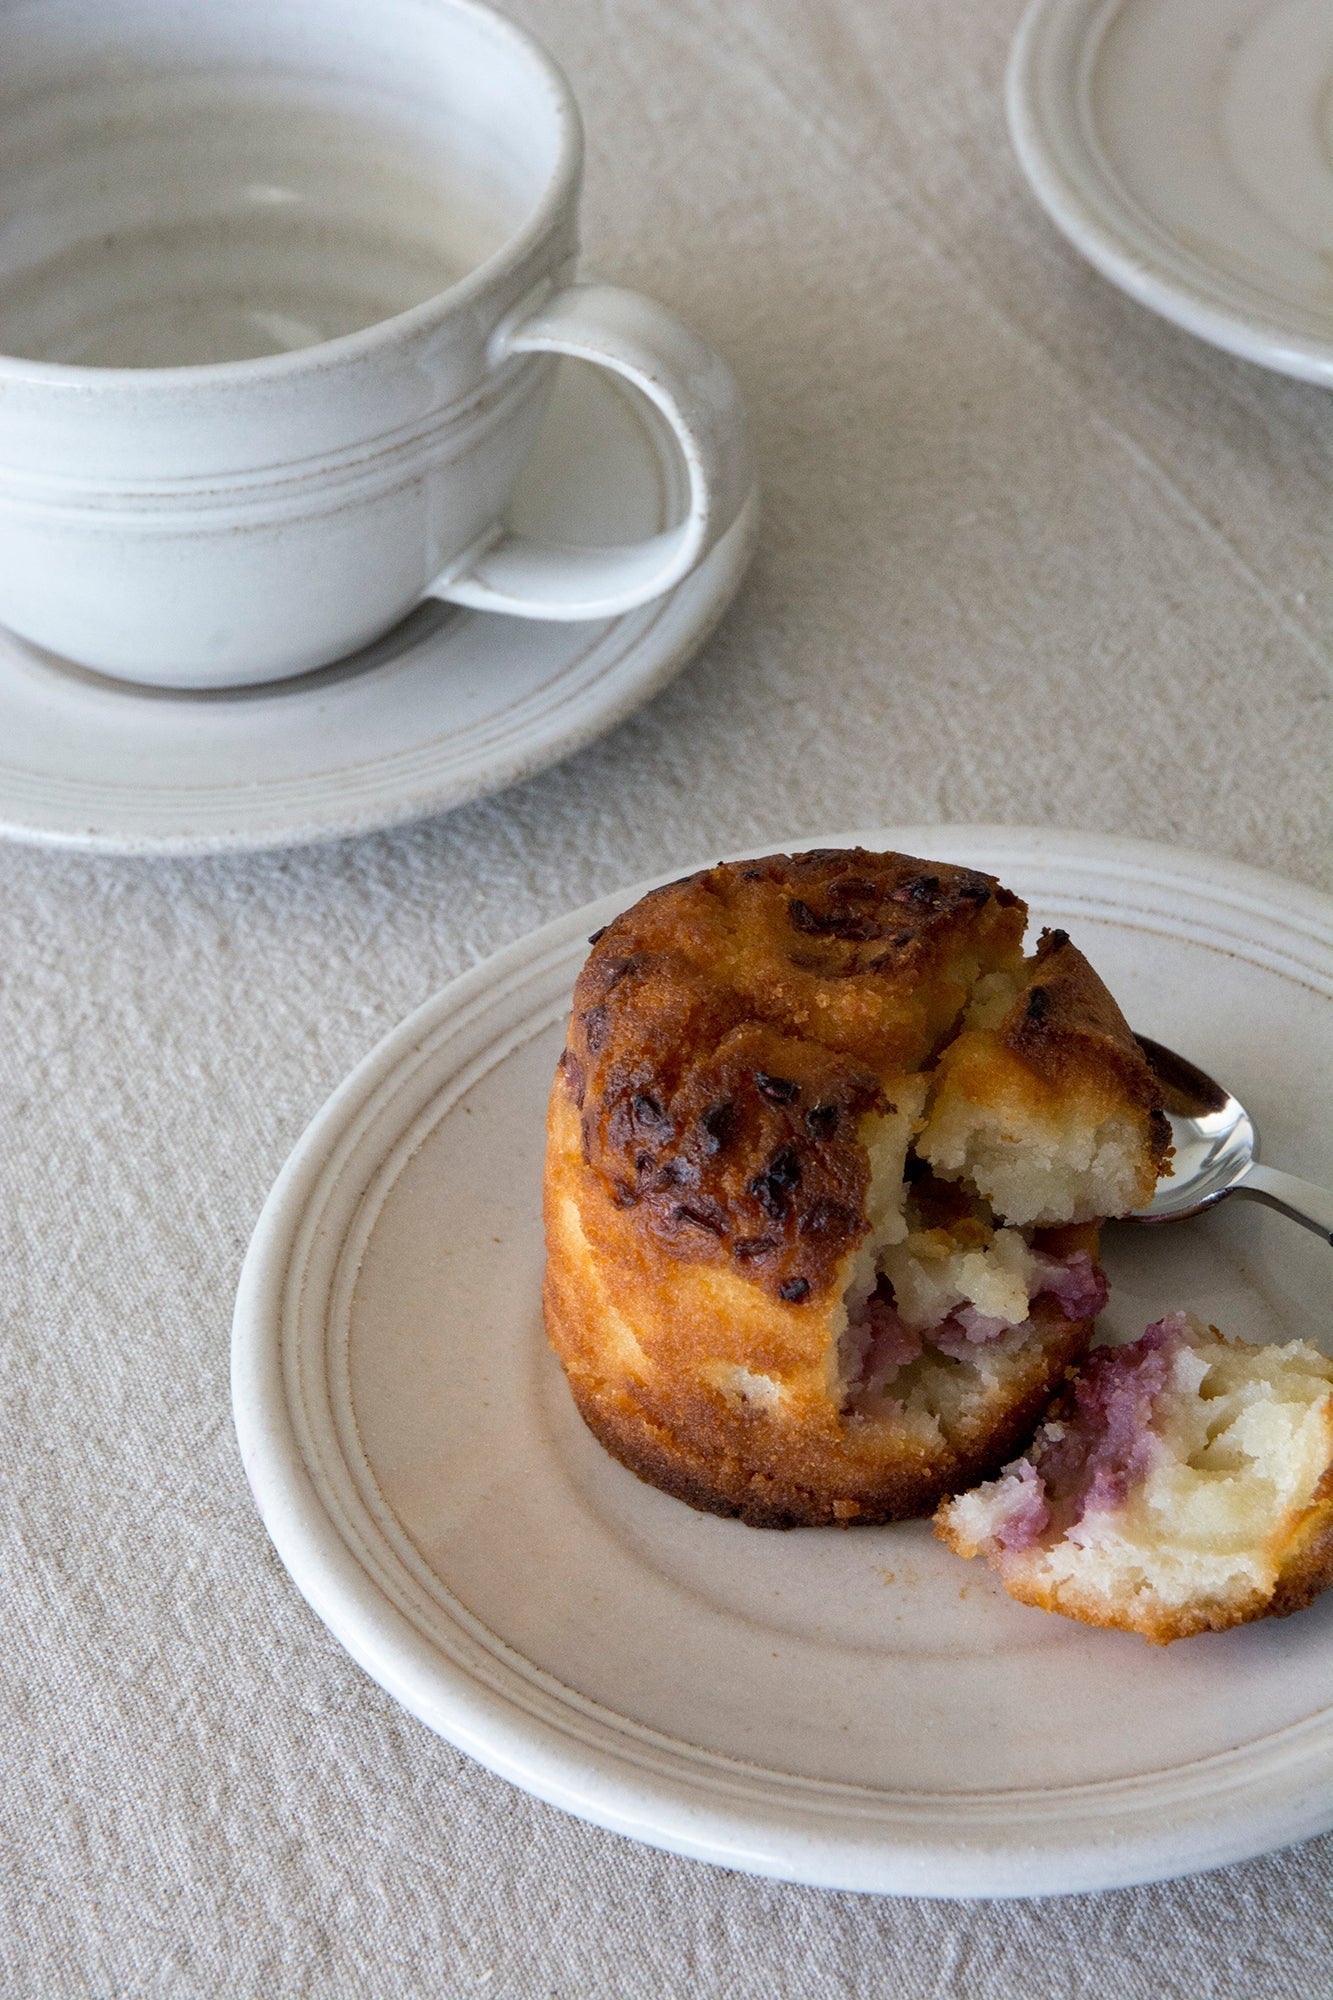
x=857, y=1710
x=1186, y=148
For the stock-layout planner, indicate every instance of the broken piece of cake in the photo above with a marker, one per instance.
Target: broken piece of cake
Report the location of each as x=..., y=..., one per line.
x=826, y=1159
x=1181, y=1484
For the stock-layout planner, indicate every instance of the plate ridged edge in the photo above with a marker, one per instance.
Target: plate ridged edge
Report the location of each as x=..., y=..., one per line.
x=1045, y=88
x=563, y=1748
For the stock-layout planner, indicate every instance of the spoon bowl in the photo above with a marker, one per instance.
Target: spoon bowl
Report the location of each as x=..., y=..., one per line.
x=1216, y=1152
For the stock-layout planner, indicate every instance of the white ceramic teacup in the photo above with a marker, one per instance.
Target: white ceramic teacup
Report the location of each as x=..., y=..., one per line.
x=280, y=284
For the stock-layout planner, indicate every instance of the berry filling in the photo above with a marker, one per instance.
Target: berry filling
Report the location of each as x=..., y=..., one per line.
x=879, y=1341
x=1089, y=1461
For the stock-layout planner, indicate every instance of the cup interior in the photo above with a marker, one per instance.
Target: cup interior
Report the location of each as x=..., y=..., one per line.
x=186, y=184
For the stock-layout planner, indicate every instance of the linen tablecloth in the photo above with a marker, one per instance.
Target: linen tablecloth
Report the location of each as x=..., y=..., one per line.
x=1028, y=555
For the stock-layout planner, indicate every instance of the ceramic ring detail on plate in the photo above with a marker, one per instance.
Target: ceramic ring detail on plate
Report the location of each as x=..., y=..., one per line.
x=851, y=1710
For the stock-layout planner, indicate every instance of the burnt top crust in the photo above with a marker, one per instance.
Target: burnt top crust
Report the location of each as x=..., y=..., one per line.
x=731, y=1029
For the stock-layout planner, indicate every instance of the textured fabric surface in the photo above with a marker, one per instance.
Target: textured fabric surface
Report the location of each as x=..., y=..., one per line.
x=1028, y=555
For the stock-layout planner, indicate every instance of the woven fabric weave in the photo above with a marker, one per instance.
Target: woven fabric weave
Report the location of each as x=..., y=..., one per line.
x=1029, y=555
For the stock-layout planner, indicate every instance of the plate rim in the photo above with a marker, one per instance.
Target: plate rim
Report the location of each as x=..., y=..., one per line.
x=1096, y=229
x=946, y=1844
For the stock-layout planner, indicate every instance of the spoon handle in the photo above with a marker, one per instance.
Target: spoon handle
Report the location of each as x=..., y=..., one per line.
x=1301, y=1200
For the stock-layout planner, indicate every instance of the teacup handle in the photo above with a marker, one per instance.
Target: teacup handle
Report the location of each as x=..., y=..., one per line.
x=694, y=390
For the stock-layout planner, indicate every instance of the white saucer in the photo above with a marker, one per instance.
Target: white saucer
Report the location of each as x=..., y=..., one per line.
x=855, y=1710
x=452, y=705
x=1186, y=148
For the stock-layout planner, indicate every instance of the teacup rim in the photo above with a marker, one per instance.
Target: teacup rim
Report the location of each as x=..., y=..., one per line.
x=561, y=187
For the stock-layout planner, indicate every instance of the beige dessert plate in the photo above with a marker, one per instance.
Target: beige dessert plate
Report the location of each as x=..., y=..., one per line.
x=1186, y=148
x=859, y=1710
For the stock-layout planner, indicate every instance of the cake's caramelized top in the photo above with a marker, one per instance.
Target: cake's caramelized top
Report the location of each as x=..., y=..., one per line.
x=731, y=1029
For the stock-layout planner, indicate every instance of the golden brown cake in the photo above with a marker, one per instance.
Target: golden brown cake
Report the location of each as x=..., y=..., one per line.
x=1181, y=1484
x=826, y=1157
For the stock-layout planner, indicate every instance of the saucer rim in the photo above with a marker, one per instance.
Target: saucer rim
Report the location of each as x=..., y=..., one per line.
x=1103, y=232
x=645, y=666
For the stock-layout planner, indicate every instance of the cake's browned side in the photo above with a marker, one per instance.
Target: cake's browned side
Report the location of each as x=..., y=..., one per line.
x=732, y=1040
x=1306, y=1566
x=905, y=1485
x=638, y=1334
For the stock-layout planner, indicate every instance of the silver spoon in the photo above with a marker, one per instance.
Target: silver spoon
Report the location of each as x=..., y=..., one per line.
x=1217, y=1153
